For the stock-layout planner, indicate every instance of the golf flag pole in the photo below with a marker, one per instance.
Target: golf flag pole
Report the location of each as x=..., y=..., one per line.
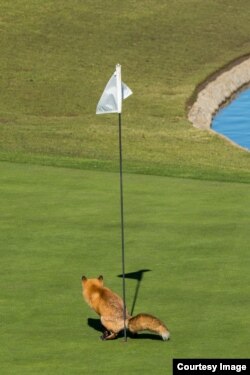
x=119, y=88
x=119, y=99
x=111, y=102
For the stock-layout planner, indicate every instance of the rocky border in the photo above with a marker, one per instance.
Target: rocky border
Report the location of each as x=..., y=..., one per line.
x=217, y=90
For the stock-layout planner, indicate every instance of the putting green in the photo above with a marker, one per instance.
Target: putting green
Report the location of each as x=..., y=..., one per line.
x=57, y=224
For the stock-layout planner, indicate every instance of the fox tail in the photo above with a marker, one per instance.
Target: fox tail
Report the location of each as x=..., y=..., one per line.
x=147, y=322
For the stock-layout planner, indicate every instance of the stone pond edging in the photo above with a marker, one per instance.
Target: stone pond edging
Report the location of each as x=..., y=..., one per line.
x=217, y=92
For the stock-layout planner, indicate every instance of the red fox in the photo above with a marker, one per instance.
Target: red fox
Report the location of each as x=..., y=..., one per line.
x=109, y=306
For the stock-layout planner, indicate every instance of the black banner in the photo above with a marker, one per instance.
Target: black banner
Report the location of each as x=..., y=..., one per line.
x=211, y=366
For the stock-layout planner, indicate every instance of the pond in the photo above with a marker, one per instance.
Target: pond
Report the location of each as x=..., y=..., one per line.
x=233, y=121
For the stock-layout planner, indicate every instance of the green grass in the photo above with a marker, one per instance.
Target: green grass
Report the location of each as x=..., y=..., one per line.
x=57, y=224
x=56, y=58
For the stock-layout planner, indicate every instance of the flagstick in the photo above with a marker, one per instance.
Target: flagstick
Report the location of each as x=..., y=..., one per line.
x=111, y=102
x=122, y=228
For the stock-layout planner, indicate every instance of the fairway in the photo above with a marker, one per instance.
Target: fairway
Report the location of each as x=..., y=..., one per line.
x=56, y=58
x=58, y=223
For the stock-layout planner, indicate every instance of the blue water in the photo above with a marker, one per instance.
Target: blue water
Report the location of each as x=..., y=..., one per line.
x=233, y=121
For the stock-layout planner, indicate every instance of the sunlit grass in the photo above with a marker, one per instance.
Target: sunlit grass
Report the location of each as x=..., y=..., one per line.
x=57, y=224
x=57, y=57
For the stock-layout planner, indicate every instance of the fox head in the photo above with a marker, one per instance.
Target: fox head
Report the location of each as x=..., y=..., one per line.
x=90, y=288
x=87, y=283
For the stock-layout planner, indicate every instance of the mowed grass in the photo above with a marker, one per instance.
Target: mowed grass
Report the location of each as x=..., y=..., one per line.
x=57, y=224
x=56, y=58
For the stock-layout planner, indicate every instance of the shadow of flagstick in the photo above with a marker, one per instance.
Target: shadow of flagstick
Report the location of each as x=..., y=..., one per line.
x=138, y=275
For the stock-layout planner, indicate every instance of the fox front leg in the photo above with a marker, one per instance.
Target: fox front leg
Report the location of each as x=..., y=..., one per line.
x=105, y=334
x=111, y=331
x=108, y=335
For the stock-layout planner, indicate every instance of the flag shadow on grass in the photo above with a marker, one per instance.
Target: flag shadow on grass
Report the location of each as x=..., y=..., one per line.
x=138, y=275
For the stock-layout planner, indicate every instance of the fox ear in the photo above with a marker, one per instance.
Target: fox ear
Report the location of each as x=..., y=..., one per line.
x=100, y=278
x=84, y=278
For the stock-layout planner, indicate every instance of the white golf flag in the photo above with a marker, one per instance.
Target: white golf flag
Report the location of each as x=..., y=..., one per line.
x=113, y=94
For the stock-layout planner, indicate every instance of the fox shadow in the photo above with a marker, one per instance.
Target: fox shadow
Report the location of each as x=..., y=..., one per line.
x=97, y=326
